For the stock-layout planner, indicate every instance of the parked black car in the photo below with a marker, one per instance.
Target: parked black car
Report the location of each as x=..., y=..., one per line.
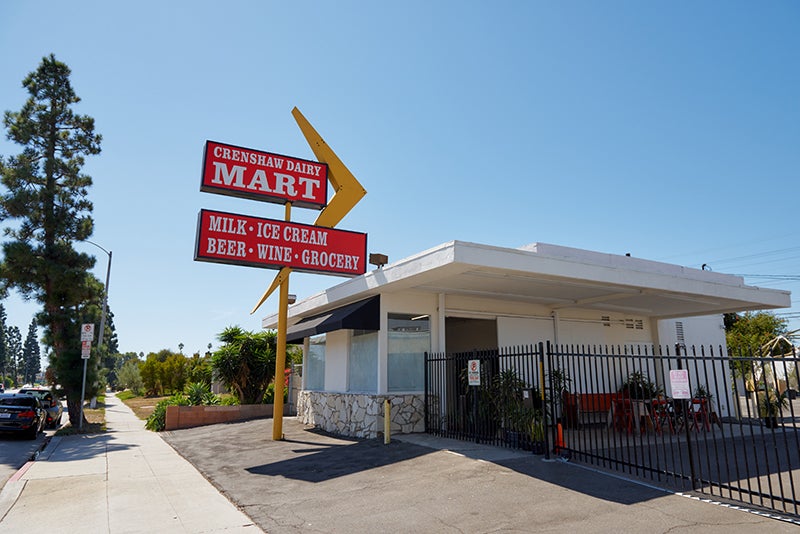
x=21, y=414
x=50, y=404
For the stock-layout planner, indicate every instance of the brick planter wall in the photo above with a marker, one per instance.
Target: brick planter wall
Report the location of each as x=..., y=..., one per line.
x=191, y=416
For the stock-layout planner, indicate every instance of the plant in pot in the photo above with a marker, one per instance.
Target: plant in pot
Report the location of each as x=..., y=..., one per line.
x=638, y=386
x=537, y=430
x=770, y=403
x=567, y=408
x=506, y=398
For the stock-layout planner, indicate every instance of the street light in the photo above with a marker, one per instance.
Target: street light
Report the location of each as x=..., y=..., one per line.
x=105, y=293
x=102, y=326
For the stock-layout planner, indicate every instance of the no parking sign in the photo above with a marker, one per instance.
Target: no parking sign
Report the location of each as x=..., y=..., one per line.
x=474, y=372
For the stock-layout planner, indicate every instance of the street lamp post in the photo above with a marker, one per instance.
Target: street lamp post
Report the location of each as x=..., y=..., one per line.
x=102, y=326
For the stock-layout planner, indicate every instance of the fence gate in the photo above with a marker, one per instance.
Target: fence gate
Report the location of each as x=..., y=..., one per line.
x=498, y=408
x=695, y=421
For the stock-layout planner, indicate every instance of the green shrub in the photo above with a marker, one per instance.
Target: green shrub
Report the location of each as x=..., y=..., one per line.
x=158, y=419
x=199, y=394
x=228, y=400
x=269, y=396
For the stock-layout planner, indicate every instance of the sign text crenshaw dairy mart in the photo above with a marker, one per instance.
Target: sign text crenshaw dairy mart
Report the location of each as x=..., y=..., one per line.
x=244, y=172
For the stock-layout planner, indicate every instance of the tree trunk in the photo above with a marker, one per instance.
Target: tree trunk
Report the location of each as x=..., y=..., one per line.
x=74, y=410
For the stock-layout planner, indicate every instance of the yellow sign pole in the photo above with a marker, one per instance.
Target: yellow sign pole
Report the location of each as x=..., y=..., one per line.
x=280, y=350
x=348, y=191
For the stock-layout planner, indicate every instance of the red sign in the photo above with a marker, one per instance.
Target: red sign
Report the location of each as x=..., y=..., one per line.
x=256, y=242
x=244, y=172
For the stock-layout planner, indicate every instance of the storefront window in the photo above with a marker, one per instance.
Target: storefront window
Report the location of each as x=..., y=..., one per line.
x=363, y=366
x=409, y=340
x=314, y=368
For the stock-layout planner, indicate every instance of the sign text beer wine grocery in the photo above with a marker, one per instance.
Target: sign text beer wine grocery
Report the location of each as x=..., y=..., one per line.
x=244, y=240
x=257, y=175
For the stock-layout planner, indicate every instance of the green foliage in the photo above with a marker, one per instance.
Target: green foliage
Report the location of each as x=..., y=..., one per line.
x=199, y=394
x=126, y=395
x=745, y=336
x=245, y=363
x=196, y=394
x=128, y=377
x=31, y=356
x=164, y=372
x=158, y=419
x=269, y=396
x=638, y=386
x=228, y=400
x=199, y=369
x=770, y=404
x=46, y=195
x=751, y=331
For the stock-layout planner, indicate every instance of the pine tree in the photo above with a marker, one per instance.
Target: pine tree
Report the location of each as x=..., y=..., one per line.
x=31, y=356
x=3, y=347
x=47, y=197
x=14, y=347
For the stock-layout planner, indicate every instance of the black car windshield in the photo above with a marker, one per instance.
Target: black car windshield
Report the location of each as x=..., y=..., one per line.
x=17, y=401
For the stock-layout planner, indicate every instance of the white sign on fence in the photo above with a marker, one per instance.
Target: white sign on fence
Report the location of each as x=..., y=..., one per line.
x=474, y=372
x=679, y=384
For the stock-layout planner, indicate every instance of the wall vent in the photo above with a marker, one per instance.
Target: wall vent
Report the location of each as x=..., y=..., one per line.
x=606, y=320
x=679, y=331
x=634, y=324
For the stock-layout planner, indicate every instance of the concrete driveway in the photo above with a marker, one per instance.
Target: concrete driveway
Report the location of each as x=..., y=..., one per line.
x=313, y=482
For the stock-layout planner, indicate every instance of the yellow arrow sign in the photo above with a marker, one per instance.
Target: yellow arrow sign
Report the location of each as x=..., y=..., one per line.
x=347, y=191
x=283, y=274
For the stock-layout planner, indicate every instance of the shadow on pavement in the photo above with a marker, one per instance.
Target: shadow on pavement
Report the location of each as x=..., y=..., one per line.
x=311, y=456
x=322, y=463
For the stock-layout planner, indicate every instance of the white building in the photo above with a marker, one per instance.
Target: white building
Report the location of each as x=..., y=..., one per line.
x=364, y=339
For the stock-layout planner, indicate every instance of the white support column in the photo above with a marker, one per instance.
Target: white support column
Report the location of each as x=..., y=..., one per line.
x=441, y=341
x=383, y=351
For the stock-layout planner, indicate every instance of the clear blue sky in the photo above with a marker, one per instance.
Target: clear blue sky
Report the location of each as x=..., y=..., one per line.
x=667, y=130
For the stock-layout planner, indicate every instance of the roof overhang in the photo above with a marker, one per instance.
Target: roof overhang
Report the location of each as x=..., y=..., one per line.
x=552, y=276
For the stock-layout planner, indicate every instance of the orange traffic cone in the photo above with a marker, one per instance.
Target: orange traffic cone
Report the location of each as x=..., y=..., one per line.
x=560, y=440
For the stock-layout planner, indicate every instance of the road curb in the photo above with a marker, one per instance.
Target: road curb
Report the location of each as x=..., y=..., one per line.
x=49, y=448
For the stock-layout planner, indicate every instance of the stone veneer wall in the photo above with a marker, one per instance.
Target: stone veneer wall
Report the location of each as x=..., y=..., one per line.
x=360, y=415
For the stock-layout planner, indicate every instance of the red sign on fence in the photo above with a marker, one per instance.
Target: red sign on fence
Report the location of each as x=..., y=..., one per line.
x=244, y=172
x=273, y=244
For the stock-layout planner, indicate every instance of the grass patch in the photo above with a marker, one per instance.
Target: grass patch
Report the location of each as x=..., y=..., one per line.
x=125, y=395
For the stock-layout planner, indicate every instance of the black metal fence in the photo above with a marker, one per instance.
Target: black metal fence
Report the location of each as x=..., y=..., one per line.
x=697, y=420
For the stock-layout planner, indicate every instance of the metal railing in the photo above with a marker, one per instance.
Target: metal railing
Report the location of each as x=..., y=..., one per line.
x=698, y=420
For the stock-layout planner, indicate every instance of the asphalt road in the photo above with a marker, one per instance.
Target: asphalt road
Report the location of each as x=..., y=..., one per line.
x=16, y=450
x=314, y=482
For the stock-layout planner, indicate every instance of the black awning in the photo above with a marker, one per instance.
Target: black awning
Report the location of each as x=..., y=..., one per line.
x=361, y=315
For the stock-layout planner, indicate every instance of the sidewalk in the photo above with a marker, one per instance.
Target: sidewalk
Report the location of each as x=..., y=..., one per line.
x=126, y=480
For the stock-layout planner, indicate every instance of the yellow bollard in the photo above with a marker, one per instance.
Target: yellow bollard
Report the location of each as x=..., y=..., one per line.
x=387, y=422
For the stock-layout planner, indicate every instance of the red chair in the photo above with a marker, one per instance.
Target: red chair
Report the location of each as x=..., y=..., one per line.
x=698, y=414
x=623, y=415
x=661, y=412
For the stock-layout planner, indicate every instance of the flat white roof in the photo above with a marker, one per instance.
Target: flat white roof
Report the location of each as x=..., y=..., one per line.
x=554, y=276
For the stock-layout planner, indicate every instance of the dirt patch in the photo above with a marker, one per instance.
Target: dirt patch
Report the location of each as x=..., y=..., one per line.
x=143, y=406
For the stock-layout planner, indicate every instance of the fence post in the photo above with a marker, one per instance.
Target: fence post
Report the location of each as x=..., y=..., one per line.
x=686, y=407
x=542, y=389
x=425, y=398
